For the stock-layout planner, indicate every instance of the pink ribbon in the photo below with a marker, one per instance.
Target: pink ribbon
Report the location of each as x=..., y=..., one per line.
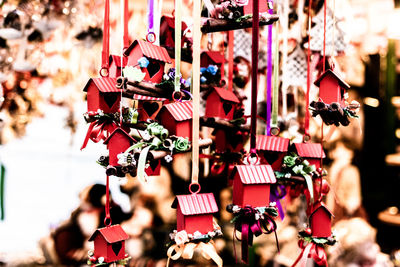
x=98, y=131
x=311, y=250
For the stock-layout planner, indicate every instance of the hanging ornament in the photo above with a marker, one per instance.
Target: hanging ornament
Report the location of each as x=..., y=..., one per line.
x=212, y=68
x=220, y=103
x=177, y=118
x=272, y=149
x=296, y=68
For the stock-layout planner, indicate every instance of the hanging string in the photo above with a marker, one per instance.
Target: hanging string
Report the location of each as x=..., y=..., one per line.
x=178, y=43
x=105, y=53
x=334, y=27
x=124, y=26
x=269, y=74
x=307, y=115
x=324, y=47
x=231, y=37
x=107, y=219
x=275, y=99
x=285, y=29
x=196, y=90
x=150, y=23
x=254, y=72
x=126, y=22
x=157, y=19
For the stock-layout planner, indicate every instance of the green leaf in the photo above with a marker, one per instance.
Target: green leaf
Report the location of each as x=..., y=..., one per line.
x=309, y=186
x=320, y=240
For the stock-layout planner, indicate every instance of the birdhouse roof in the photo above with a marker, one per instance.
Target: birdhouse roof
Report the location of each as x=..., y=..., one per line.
x=196, y=204
x=335, y=75
x=272, y=143
x=181, y=111
x=111, y=234
x=104, y=84
x=117, y=60
x=171, y=22
x=224, y=94
x=256, y=174
x=216, y=56
x=148, y=98
x=150, y=50
x=319, y=205
x=310, y=150
x=119, y=130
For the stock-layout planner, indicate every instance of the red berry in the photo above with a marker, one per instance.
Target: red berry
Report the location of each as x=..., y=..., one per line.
x=308, y=231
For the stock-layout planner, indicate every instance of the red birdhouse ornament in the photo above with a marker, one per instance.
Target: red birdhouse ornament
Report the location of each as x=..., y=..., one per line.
x=311, y=152
x=194, y=212
x=118, y=142
x=154, y=168
x=251, y=185
x=216, y=58
x=148, y=106
x=262, y=7
x=115, y=68
x=102, y=94
x=156, y=55
x=167, y=31
x=272, y=150
x=109, y=243
x=220, y=103
x=177, y=118
x=320, y=220
x=332, y=88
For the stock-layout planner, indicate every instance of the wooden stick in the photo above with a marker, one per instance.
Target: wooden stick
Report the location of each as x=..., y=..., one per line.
x=142, y=88
x=223, y=124
x=219, y=25
x=156, y=155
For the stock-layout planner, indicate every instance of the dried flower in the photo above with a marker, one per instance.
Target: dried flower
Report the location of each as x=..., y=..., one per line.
x=181, y=238
x=143, y=62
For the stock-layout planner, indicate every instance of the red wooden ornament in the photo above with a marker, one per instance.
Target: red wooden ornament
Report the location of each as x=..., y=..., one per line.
x=167, y=31
x=148, y=107
x=248, y=9
x=272, y=150
x=251, y=185
x=114, y=70
x=102, y=94
x=213, y=58
x=320, y=220
x=154, y=168
x=194, y=212
x=118, y=142
x=177, y=118
x=156, y=55
x=311, y=152
x=332, y=88
x=220, y=103
x=109, y=243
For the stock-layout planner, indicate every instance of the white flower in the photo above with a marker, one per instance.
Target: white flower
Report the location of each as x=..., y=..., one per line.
x=166, y=77
x=211, y=234
x=272, y=204
x=236, y=209
x=288, y=175
x=257, y=216
x=181, y=237
x=101, y=259
x=168, y=158
x=197, y=234
x=90, y=253
x=100, y=112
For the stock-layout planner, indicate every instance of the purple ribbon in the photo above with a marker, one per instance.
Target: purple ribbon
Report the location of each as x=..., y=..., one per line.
x=278, y=193
x=249, y=226
x=269, y=77
x=151, y=16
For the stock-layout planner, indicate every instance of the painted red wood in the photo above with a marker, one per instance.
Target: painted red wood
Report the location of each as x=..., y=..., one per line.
x=177, y=118
x=272, y=150
x=221, y=103
x=102, y=94
x=248, y=9
x=154, y=168
x=118, y=142
x=320, y=221
x=167, y=31
x=213, y=58
x=115, y=66
x=331, y=88
x=312, y=152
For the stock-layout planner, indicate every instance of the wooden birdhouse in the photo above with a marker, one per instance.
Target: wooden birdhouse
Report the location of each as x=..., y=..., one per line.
x=177, y=118
x=167, y=31
x=232, y=141
x=251, y=185
x=220, y=103
x=320, y=220
x=103, y=94
x=118, y=142
x=262, y=7
x=332, y=88
x=115, y=66
x=148, y=106
x=194, y=212
x=216, y=58
x=156, y=55
x=311, y=152
x=109, y=243
x=272, y=150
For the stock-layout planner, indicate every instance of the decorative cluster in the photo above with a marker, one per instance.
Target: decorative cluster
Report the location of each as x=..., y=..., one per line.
x=182, y=237
x=93, y=261
x=306, y=235
x=169, y=78
x=270, y=210
x=334, y=113
x=210, y=75
x=129, y=115
x=295, y=165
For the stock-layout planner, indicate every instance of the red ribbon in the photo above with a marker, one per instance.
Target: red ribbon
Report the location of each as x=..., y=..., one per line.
x=98, y=131
x=311, y=250
x=106, y=37
x=249, y=226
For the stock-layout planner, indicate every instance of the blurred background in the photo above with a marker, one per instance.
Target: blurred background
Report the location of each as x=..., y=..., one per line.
x=52, y=194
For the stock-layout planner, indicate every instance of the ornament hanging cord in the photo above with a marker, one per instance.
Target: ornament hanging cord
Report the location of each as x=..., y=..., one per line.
x=307, y=114
x=275, y=100
x=105, y=64
x=269, y=74
x=254, y=72
x=196, y=92
x=178, y=43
